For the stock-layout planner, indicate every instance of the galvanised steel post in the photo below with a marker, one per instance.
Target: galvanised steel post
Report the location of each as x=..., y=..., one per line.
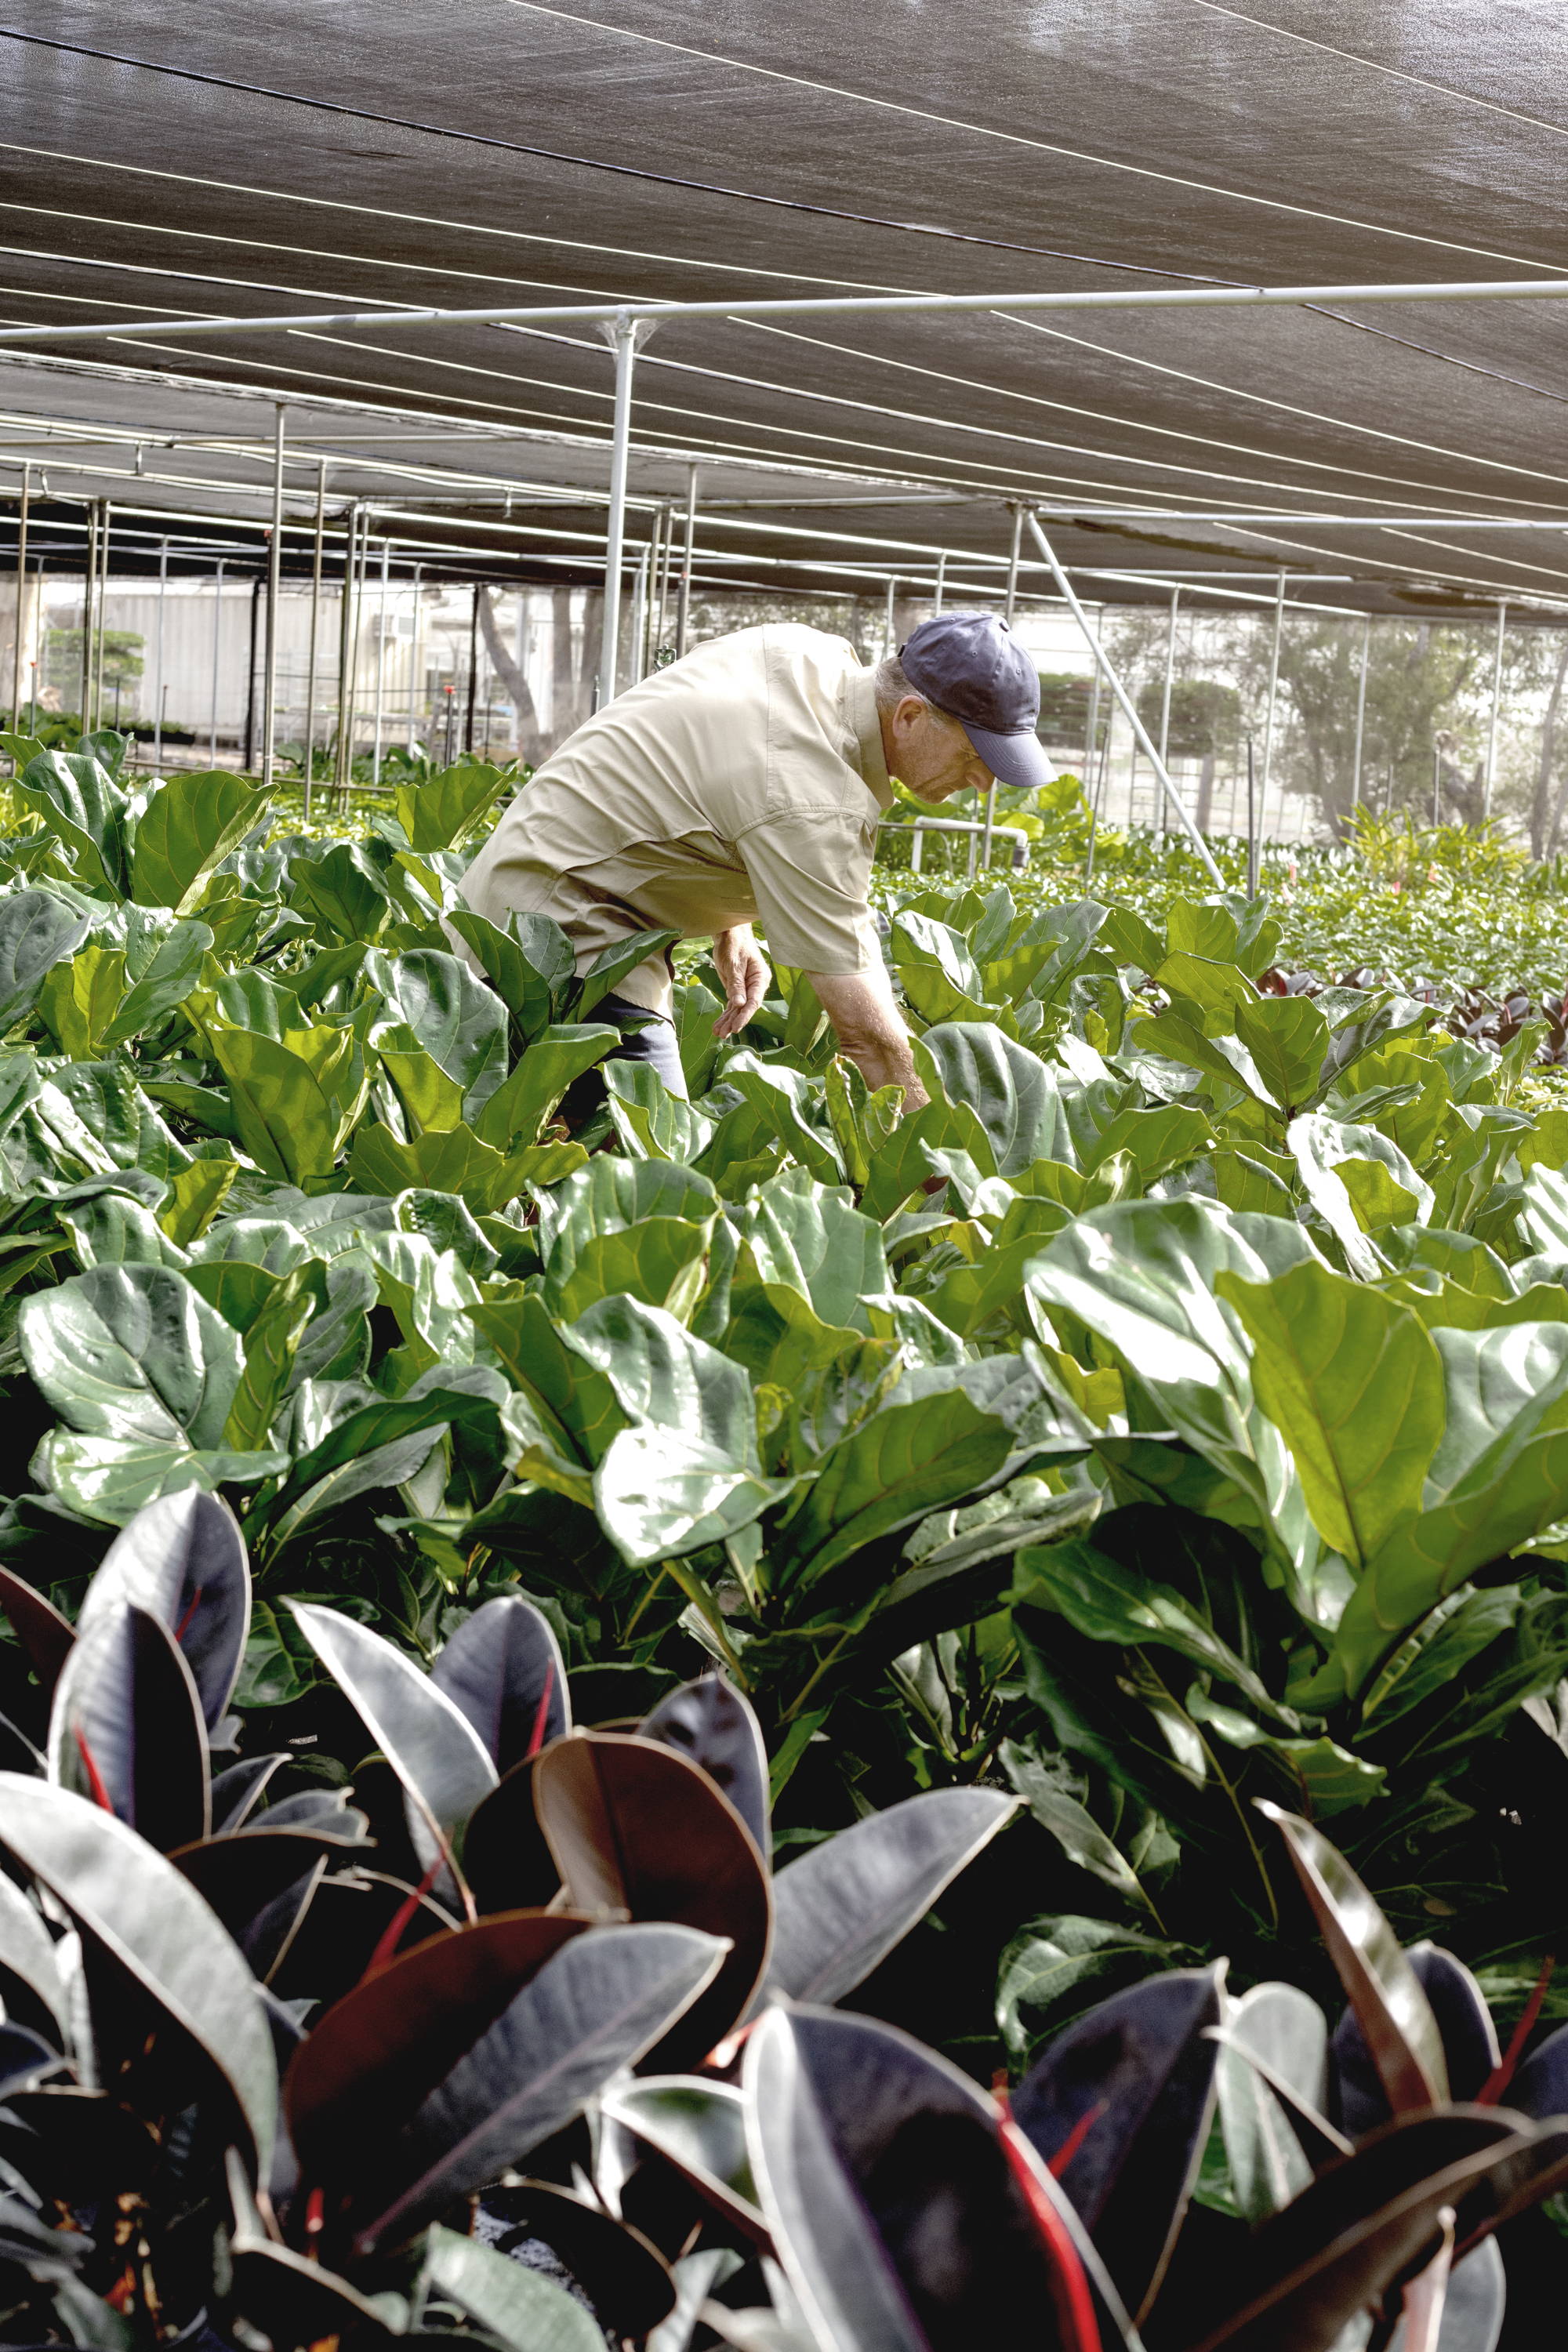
x=274, y=576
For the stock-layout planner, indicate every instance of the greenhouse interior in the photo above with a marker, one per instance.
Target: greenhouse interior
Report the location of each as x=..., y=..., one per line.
x=738, y=746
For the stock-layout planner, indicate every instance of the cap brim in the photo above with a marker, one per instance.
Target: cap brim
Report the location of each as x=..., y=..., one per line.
x=1018, y=761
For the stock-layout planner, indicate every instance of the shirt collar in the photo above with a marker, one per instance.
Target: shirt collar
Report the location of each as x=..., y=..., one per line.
x=861, y=709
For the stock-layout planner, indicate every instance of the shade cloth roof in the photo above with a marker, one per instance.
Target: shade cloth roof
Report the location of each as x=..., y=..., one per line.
x=288, y=155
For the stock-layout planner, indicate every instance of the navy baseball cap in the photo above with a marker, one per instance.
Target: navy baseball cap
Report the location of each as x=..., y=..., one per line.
x=970, y=666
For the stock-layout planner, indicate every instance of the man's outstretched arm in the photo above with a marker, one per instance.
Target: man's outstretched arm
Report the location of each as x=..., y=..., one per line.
x=871, y=1029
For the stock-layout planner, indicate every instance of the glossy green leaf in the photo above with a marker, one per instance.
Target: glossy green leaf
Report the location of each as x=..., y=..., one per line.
x=522, y=1105
x=438, y=811
x=515, y=2305
x=188, y=827
x=132, y=1351
x=38, y=930
x=1354, y=1385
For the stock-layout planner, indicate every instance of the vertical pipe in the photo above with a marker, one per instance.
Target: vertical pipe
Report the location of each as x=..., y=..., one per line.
x=473, y=669
x=257, y=587
x=622, y=336
x=1497, y=697
x=89, y=577
x=664, y=579
x=274, y=577
x=102, y=612
x=1273, y=693
x=21, y=606
x=315, y=618
x=158, y=689
x=381, y=661
x=1361, y=714
x=1437, y=783
x=889, y=638
x=415, y=680
x=637, y=634
x=683, y=607
x=1012, y=565
x=1140, y=733
x=1251, y=825
x=648, y=635
x=1091, y=741
x=1165, y=695
x=940, y=583
x=345, y=653
x=217, y=619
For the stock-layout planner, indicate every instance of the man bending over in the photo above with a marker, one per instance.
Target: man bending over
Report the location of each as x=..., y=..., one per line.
x=744, y=783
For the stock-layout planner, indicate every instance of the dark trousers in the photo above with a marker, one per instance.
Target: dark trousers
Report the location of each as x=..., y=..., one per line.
x=644, y=1037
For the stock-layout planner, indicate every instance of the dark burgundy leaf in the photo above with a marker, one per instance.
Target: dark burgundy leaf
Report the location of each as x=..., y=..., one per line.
x=503, y=1669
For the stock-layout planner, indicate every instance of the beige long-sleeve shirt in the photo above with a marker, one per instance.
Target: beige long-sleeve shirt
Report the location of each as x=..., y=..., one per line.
x=742, y=785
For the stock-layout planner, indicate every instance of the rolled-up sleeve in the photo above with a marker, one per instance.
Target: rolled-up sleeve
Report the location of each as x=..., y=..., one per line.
x=809, y=873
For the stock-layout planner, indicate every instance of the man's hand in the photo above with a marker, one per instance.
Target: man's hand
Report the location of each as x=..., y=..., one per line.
x=743, y=969
x=870, y=1030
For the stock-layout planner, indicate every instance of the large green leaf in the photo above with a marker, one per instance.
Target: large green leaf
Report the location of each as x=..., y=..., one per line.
x=907, y=1460
x=530, y=965
x=1287, y=1037
x=660, y=1493
x=37, y=930
x=159, y=982
x=281, y=1113
x=523, y=1104
x=660, y=1260
x=459, y=1022
x=1142, y=1276
x=438, y=811
x=1003, y=1098
x=808, y=1237
x=938, y=974
x=79, y=798
x=188, y=827
x=133, y=1352
x=1355, y=1384
x=1499, y=1477
x=659, y=1373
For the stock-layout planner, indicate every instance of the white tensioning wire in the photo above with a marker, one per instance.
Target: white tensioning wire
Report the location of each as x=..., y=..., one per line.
x=1020, y=139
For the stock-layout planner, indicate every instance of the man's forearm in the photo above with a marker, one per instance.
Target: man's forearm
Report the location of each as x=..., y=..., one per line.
x=870, y=1033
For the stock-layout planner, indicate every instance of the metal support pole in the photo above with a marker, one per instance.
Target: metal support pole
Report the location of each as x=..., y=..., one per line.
x=415, y=680
x=661, y=635
x=315, y=617
x=648, y=642
x=1360, y=710
x=1273, y=693
x=274, y=577
x=1138, y=731
x=345, y=655
x=381, y=661
x=623, y=335
x=89, y=577
x=21, y=607
x=473, y=669
x=160, y=690
x=1091, y=740
x=683, y=607
x=1013, y=566
x=1165, y=697
x=889, y=637
x=218, y=618
x=637, y=648
x=1497, y=697
x=102, y=613
x=940, y=583
x=1251, y=824
x=249, y=759
x=1437, y=783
